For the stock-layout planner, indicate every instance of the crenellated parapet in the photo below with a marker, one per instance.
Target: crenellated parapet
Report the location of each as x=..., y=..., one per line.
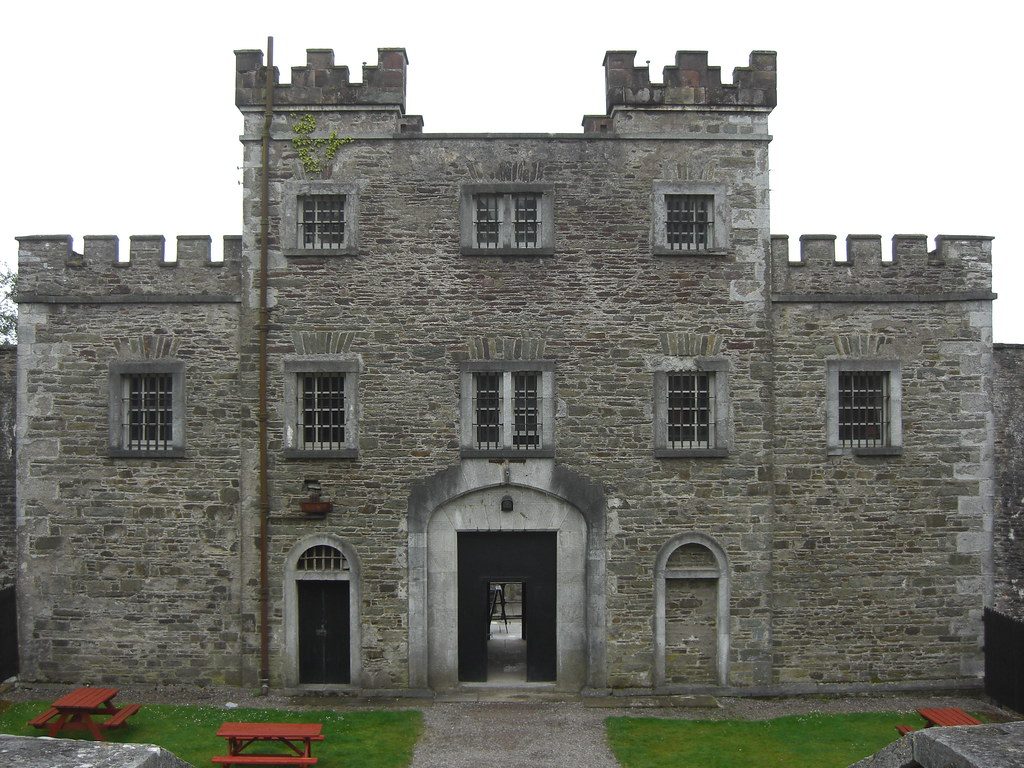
x=321, y=83
x=959, y=265
x=51, y=271
x=691, y=81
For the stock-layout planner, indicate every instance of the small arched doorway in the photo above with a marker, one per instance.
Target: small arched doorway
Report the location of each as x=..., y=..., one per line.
x=322, y=614
x=691, y=613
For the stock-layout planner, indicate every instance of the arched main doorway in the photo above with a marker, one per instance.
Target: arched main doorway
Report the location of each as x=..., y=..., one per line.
x=457, y=525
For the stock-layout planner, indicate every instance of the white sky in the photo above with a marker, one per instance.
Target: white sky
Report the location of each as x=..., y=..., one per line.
x=894, y=116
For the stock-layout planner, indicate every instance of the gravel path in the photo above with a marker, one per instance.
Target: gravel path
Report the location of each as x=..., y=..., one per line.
x=513, y=735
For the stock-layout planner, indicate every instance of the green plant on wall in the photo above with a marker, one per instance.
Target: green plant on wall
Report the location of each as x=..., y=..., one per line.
x=315, y=152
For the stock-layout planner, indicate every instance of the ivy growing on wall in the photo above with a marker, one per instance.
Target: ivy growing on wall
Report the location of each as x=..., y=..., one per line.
x=315, y=153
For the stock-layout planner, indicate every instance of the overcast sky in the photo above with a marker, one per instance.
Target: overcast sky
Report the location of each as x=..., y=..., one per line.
x=894, y=117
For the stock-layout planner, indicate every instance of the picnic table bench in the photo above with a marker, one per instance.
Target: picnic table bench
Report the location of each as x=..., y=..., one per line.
x=940, y=716
x=298, y=737
x=946, y=716
x=75, y=711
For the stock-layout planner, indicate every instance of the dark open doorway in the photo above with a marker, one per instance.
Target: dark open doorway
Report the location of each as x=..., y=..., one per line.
x=487, y=562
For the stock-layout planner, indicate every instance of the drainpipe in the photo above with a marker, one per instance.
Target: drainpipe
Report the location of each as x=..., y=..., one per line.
x=262, y=327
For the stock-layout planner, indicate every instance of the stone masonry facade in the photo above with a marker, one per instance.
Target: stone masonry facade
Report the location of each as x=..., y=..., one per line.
x=763, y=556
x=1008, y=537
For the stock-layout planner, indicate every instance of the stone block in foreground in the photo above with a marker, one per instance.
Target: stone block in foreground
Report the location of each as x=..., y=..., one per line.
x=44, y=752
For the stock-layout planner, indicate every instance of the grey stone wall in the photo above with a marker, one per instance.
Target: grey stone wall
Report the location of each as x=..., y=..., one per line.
x=1008, y=530
x=880, y=562
x=601, y=306
x=132, y=566
x=8, y=557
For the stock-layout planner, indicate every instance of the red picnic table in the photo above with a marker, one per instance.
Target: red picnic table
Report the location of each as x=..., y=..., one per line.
x=75, y=711
x=298, y=737
x=946, y=716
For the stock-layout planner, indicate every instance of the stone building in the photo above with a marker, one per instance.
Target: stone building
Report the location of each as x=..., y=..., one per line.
x=571, y=369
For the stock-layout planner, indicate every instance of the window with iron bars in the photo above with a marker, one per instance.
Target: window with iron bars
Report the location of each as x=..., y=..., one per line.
x=147, y=411
x=322, y=557
x=864, y=409
x=513, y=220
x=321, y=411
x=490, y=397
x=689, y=222
x=691, y=410
x=321, y=223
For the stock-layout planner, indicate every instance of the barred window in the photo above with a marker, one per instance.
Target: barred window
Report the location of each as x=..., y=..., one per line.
x=864, y=409
x=321, y=222
x=690, y=222
x=321, y=411
x=486, y=221
x=322, y=557
x=691, y=410
x=507, y=219
x=526, y=221
x=526, y=410
x=507, y=408
x=487, y=409
x=147, y=408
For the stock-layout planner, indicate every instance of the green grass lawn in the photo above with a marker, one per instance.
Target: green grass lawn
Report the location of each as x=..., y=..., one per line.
x=352, y=739
x=798, y=741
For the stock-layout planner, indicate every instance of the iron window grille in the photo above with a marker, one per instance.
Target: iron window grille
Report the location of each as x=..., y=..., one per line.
x=691, y=410
x=864, y=409
x=689, y=222
x=486, y=221
x=147, y=411
x=526, y=221
x=322, y=557
x=321, y=411
x=488, y=410
x=508, y=221
x=321, y=222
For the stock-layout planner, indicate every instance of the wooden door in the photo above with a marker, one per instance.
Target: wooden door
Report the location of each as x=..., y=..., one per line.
x=324, y=632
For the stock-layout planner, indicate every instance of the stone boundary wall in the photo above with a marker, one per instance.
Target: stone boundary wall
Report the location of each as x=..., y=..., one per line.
x=1008, y=528
x=959, y=263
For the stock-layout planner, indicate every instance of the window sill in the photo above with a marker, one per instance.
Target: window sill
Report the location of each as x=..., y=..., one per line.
x=885, y=450
x=528, y=252
x=124, y=453
x=311, y=454
x=882, y=450
x=319, y=252
x=691, y=453
x=660, y=250
x=507, y=453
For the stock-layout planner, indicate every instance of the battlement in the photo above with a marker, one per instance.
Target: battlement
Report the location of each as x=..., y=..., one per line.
x=690, y=82
x=958, y=264
x=49, y=268
x=321, y=83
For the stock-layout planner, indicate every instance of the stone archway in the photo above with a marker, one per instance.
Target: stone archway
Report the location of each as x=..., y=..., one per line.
x=468, y=498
